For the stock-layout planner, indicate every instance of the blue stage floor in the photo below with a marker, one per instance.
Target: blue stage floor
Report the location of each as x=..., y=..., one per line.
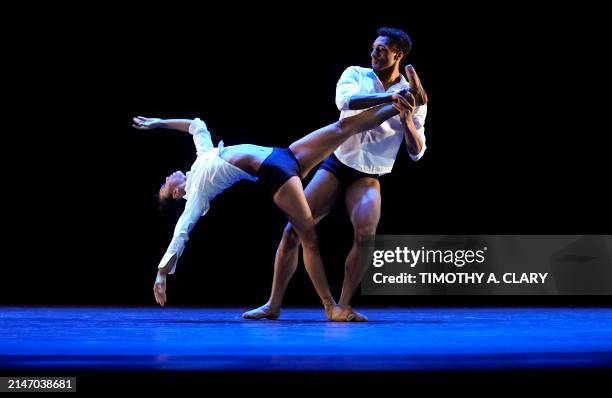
x=429, y=339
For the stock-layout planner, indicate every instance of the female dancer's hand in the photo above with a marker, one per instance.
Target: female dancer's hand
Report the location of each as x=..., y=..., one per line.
x=147, y=123
x=416, y=88
x=159, y=288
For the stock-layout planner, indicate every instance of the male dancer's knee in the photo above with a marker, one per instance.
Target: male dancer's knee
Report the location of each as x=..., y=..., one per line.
x=355, y=265
x=363, y=231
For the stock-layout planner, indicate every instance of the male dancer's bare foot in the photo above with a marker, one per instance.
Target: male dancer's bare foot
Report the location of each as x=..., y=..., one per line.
x=346, y=314
x=265, y=311
x=329, y=305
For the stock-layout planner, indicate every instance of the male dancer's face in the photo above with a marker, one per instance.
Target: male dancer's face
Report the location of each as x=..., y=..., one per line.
x=174, y=187
x=383, y=54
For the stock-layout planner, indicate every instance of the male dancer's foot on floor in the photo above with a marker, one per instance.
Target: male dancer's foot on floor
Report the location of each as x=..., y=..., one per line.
x=339, y=313
x=346, y=314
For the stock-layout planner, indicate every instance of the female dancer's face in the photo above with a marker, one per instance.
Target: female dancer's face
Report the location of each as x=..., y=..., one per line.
x=174, y=186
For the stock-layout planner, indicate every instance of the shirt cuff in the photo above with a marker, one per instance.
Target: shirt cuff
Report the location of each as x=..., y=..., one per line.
x=169, y=260
x=418, y=155
x=196, y=126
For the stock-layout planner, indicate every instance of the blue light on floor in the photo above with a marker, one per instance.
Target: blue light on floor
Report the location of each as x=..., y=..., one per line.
x=219, y=339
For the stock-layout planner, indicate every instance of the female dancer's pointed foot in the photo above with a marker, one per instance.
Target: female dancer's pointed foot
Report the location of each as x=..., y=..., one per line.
x=265, y=311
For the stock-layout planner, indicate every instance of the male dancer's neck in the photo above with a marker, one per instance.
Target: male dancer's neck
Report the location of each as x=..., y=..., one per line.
x=389, y=76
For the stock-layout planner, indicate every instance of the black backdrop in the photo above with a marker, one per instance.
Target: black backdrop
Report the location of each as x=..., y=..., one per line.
x=511, y=145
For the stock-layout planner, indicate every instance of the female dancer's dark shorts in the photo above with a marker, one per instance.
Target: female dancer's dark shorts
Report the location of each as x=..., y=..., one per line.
x=346, y=175
x=278, y=167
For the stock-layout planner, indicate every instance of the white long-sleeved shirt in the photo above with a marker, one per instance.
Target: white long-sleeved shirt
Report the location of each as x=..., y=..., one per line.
x=373, y=151
x=208, y=177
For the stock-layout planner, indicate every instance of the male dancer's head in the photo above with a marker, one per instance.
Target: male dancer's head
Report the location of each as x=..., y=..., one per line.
x=389, y=50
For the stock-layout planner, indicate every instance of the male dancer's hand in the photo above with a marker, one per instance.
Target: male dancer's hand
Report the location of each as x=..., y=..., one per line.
x=416, y=88
x=159, y=288
x=147, y=123
x=405, y=105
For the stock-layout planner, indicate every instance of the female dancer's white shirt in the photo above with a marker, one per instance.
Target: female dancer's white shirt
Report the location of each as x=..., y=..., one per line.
x=208, y=177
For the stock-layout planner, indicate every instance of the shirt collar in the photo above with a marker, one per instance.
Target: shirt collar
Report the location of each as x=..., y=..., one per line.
x=402, y=84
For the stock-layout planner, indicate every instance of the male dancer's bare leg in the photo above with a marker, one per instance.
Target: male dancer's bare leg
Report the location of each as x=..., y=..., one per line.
x=363, y=206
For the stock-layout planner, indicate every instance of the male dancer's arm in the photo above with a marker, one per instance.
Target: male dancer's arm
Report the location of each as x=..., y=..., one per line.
x=348, y=86
x=347, y=96
x=413, y=117
x=363, y=101
x=413, y=120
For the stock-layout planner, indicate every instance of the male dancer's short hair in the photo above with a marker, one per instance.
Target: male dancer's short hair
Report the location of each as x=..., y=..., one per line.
x=397, y=38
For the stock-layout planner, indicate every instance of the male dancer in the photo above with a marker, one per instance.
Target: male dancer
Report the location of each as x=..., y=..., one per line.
x=354, y=168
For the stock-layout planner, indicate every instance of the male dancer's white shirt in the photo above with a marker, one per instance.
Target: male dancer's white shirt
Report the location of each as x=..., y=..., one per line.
x=208, y=177
x=373, y=151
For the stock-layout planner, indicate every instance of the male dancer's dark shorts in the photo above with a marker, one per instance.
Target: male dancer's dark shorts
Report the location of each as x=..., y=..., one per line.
x=346, y=175
x=277, y=168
